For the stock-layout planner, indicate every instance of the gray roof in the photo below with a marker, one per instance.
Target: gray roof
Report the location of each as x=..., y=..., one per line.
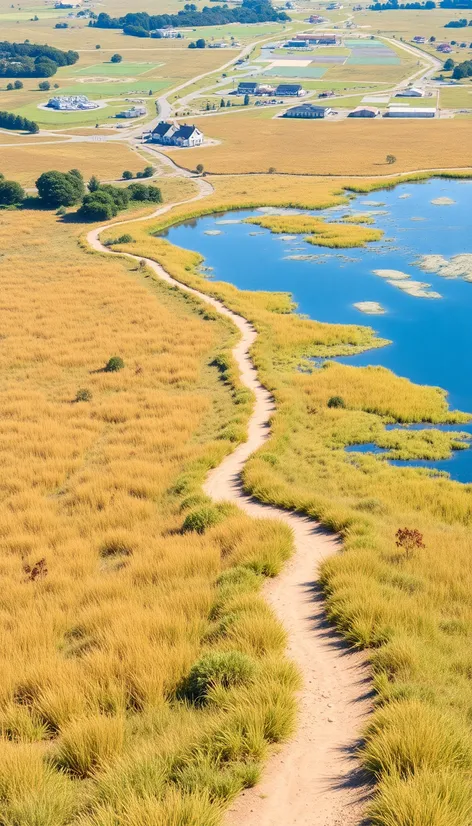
x=185, y=131
x=292, y=87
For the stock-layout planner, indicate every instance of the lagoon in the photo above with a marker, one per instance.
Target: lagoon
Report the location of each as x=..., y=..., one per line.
x=431, y=337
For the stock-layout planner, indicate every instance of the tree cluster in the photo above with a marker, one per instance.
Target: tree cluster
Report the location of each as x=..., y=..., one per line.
x=197, y=44
x=456, y=4
x=462, y=70
x=10, y=121
x=393, y=5
x=105, y=201
x=32, y=60
x=141, y=24
x=11, y=193
x=58, y=189
x=458, y=24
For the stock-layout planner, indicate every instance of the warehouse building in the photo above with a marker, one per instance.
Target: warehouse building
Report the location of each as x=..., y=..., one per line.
x=308, y=111
x=410, y=112
x=364, y=112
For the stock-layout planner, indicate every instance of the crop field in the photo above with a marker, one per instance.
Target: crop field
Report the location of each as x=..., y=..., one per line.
x=111, y=596
x=342, y=148
x=411, y=610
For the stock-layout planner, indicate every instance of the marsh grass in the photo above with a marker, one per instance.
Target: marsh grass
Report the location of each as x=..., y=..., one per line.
x=93, y=730
x=320, y=232
x=413, y=614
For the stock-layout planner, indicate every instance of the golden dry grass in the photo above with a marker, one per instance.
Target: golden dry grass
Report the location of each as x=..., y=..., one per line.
x=250, y=143
x=26, y=163
x=106, y=602
x=412, y=611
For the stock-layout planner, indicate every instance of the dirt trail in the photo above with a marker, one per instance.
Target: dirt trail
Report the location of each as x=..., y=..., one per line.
x=314, y=779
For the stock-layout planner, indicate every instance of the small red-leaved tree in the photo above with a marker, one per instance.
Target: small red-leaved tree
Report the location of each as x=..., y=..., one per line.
x=410, y=540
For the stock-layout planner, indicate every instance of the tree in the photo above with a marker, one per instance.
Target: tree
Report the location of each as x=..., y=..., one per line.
x=116, y=58
x=18, y=84
x=449, y=65
x=44, y=85
x=150, y=93
x=246, y=99
x=222, y=103
x=192, y=45
x=410, y=540
x=199, y=168
x=200, y=43
x=148, y=171
x=10, y=87
x=127, y=175
x=83, y=395
x=60, y=188
x=114, y=364
x=138, y=192
x=93, y=184
x=11, y=193
x=97, y=206
x=390, y=159
x=98, y=46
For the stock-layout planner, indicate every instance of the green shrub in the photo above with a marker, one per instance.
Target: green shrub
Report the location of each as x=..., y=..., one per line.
x=201, y=519
x=336, y=401
x=217, y=668
x=114, y=364
x=83, y=395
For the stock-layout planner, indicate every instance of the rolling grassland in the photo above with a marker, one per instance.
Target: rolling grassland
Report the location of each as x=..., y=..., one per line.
x=143, y=676
x=410, y=609
x=337, y=148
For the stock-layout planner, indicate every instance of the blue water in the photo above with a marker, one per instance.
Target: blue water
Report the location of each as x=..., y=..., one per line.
x=431, y=339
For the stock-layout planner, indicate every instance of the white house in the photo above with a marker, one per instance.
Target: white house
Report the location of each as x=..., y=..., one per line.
x=171, y=134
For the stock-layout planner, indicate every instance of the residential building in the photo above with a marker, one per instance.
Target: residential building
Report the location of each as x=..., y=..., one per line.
x=418, y=38
x=444, y=48
x=364, y=112
x=316, y=18
x=218, y=45
x=411, y=92
x=410, y=112
x=171, y=134
x=307, y=111
x=289, y=90
x=264, y=89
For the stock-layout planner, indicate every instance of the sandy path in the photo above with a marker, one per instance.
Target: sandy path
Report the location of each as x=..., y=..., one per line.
x=314, y=779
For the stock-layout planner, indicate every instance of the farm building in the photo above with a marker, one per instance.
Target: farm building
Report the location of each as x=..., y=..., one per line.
x=410, y=112
x=133, y=112
x=308, y=111
x=247, y=88
x=171, y=134
x=444, y=48
x=419, y=39
x=296, y=44
x=316, y=18
x=318, y=39
x=364, y=112
x=289, y=90
x=412, y=92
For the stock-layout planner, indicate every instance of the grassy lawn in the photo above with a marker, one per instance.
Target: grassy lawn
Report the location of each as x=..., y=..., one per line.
x=123, y=69
x=459, y=98
x=53, y=119
x=105, y=90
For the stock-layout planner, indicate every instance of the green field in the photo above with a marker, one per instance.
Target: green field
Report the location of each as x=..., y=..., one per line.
x=123, y=69
x=239, y=31
x=104, y=90
x=51, y=118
